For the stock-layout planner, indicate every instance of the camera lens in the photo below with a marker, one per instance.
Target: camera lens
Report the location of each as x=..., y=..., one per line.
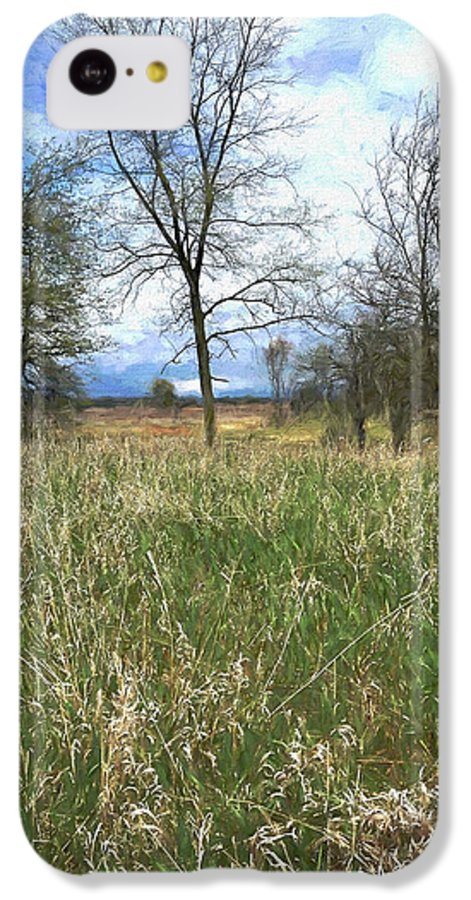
x=92, y=72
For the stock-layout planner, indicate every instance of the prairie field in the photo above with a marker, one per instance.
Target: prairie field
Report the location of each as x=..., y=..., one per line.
x=229, y=658
x=229, y=415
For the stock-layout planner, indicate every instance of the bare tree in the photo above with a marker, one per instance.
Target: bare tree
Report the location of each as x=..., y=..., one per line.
x=343, y=371
x=397, y=283
x=211, y=209
x=277, y=357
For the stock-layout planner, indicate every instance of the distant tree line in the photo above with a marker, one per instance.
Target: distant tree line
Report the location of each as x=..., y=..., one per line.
x=381, y=356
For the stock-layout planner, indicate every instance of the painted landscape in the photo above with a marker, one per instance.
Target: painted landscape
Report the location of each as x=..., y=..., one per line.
x=229, y=602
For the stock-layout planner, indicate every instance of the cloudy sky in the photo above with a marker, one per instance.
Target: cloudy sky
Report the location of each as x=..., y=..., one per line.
x=356, y=76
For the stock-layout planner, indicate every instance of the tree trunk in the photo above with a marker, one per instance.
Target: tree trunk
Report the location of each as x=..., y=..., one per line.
x=26, y=415
x=358, y=408
x=361, y=433
x=204, y=371
x=278, y=412
x=400, y=421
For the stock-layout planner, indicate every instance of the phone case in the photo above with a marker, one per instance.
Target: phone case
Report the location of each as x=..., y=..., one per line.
x=229, y=410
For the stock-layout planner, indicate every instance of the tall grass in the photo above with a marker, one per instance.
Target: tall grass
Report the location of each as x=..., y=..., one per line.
x=227, y=659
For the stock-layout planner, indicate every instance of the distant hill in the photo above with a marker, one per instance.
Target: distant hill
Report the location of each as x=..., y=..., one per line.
x=133, y=382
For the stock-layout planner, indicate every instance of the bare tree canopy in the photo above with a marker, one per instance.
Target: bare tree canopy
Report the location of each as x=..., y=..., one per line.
x=382, y=350
x=398, y=283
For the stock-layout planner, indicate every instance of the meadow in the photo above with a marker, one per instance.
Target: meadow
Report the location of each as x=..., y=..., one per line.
x=229, y=658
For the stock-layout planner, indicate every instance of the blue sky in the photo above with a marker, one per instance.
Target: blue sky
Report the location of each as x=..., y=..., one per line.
x=357, y=76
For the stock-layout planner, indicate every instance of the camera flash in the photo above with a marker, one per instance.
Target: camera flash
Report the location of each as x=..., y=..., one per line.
x=156, y=71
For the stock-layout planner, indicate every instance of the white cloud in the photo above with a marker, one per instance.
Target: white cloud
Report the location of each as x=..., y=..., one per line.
x=403, y=63
x=187, y=385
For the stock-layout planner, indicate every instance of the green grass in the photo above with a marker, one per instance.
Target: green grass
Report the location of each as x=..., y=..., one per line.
x=176, y=608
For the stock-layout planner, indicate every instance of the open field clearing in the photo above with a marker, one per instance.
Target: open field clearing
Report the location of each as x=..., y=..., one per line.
x=145, y=420
x=254, y=421
x=228, y=657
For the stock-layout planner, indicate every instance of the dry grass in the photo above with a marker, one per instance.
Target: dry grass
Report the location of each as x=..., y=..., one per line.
x=175, y=602
x=148, y=421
